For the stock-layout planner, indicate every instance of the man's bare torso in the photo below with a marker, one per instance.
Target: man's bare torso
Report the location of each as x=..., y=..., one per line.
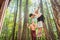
x=32, y=27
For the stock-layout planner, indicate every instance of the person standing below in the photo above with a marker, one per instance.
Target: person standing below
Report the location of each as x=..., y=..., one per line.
x=33, y=31
x=40, y=21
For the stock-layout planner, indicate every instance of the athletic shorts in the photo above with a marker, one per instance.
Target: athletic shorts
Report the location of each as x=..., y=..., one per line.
x=40, y=24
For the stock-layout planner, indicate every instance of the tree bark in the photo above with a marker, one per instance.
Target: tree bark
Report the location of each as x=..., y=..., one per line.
x=24, y=33
x=20, y=22
x=56, y=11
x=2, y=13
x=15, y=17
x=44, y=25
x=50, y=24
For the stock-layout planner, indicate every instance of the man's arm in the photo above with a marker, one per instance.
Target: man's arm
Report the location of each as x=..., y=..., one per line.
x=28, y=25
x=35, y=25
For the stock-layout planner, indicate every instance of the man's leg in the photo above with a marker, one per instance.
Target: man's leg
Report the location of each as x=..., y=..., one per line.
x=34, y=38
x=33, y=34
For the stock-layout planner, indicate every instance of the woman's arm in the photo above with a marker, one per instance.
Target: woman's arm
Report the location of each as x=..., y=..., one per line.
x=36, y=10
x=37, y=13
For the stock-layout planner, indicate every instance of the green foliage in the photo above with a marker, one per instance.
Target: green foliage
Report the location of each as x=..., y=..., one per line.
x=9, y=20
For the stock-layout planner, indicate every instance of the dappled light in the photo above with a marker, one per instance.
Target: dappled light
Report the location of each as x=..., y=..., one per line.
x=29, y=19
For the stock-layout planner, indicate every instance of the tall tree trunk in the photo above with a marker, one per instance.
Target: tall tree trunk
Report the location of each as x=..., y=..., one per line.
x=15, y=17
x=24, y=33
x=56, y=11
x=2, y=13
x=16, y=36
x=44, y=25
x=50, y=24
x=51, y=33
x=20, y=22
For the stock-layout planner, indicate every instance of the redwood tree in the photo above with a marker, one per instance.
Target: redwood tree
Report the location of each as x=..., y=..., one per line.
x=20, y=21
x=15, y=17
x=24, y=33
x=44, y=25
x=56, y=12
